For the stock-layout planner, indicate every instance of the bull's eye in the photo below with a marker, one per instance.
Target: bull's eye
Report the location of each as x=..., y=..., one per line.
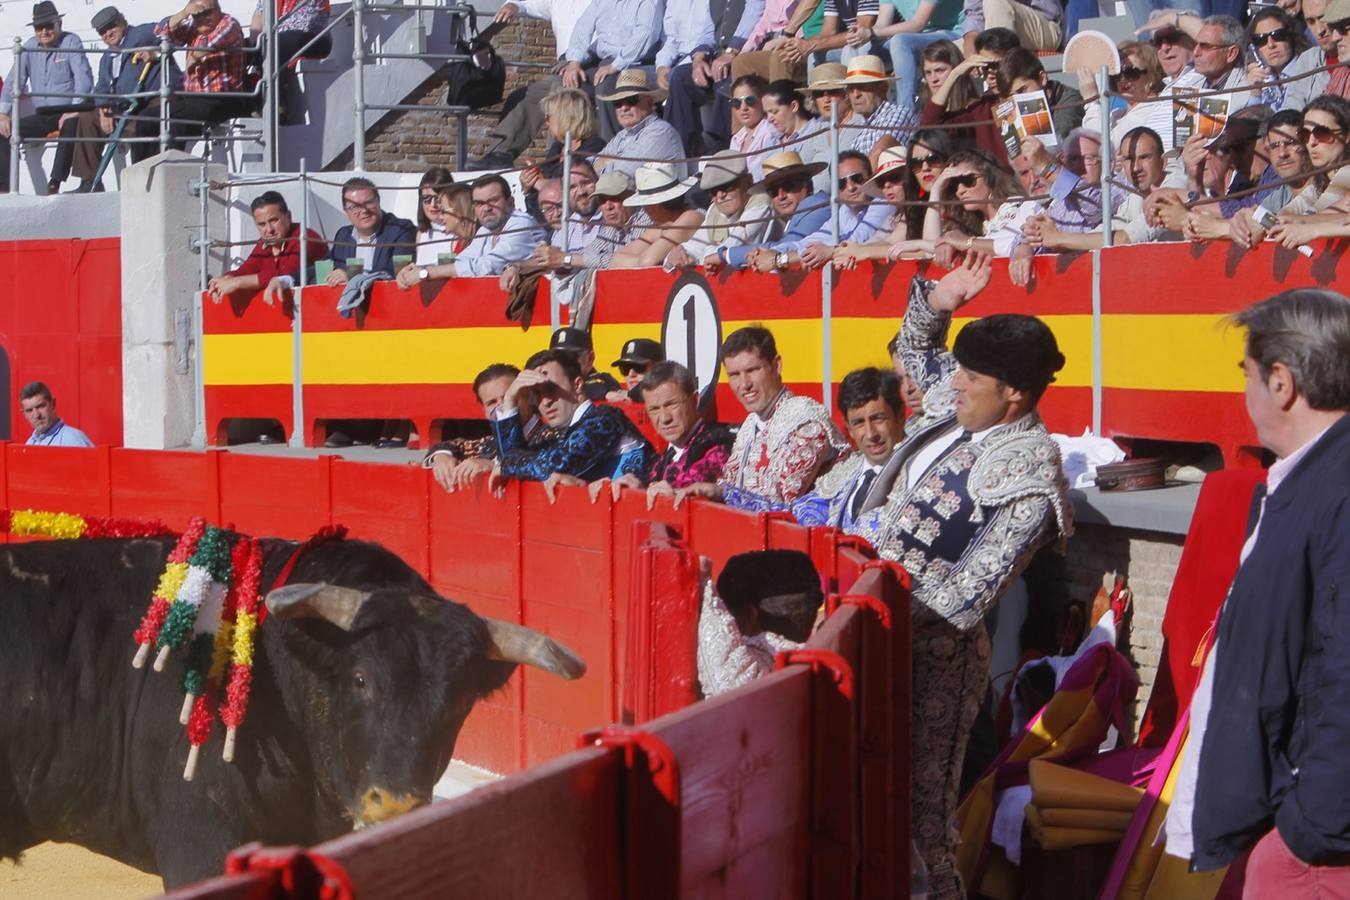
x=359, y=680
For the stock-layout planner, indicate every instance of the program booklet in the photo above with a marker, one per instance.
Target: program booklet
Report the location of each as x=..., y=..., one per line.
x=1204, y=116
x=1022, y=116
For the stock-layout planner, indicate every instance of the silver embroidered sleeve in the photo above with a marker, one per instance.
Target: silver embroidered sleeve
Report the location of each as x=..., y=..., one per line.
x=726, y=658
x=923, y=338
x=1002, y=549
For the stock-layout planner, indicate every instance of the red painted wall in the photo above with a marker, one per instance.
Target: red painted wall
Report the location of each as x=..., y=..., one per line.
x=61, y=322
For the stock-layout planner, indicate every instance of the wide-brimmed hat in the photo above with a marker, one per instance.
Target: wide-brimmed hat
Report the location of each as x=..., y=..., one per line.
x=656, y=183
x=44, y=12
x=614, y=183
x=785, y=164
x=634, y=83
x=865, y=69
x=640, y=352
x=104, y=17
x=826, y=77
x=721, y=169
x=1170, y=32
x=1337, y=11
x=892, y=159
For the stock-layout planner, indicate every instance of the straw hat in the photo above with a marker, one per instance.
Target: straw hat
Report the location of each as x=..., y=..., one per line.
x=656, y=183
x=634, y=83
x=892, y=159
x=865, y=70
x=826, y=77
x=785, y=164
x=721, y=169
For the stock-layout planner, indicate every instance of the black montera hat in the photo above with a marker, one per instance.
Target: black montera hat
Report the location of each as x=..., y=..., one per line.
x=779, y=582
x=1018, y=350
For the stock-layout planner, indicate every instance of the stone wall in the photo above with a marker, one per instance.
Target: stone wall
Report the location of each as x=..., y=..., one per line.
x=415, y=141
x=1149, y=560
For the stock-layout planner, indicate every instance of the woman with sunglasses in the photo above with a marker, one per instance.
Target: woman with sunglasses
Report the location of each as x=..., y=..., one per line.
x=927, y=156
x=756, y=131
x=1320, y=210
x=432, y=238
x=1275, y=39
x=976, y=210
x=893, y=240
x=785, y=108
x=1141, y=79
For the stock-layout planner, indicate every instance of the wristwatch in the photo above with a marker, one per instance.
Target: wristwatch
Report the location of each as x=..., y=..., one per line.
x=423, y=274
x=782, y=261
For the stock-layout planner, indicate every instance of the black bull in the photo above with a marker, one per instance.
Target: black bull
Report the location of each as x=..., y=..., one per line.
x=359, y=693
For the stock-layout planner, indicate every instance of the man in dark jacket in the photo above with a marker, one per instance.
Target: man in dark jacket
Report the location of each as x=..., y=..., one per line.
x=1264, y=768
x=374, y=236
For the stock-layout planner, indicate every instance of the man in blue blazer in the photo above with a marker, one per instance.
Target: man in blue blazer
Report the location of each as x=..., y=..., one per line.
x=1265, y=762
x=797, y=212
x=374, y=236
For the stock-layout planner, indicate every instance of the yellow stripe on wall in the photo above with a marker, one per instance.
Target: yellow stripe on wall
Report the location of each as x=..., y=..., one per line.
x=1145, y=352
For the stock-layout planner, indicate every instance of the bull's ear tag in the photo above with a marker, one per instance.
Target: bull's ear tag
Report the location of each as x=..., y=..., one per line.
x=331, y=602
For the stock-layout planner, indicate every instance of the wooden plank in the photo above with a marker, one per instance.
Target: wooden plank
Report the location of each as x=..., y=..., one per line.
x=744, y=780
x=553, y=831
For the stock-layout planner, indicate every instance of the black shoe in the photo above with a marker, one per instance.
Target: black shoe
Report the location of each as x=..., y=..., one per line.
x=53, y=187
x=338, y=439
x=390, y=443
x=87, y=186
x=496, y=160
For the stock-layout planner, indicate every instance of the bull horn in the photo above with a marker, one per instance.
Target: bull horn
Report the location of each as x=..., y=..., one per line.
x=336, y=604
x=510, y=642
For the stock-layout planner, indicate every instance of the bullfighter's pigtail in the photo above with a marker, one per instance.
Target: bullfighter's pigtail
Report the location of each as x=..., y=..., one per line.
x=203, y=592
x=241, y=647
x=170, y=583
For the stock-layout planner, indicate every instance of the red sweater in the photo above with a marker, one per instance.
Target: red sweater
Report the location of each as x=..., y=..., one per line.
x=268, y=265
x=981, y=133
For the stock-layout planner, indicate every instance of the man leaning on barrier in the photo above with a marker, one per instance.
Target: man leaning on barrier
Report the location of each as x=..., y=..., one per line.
x=47, y=68
x=274, y=264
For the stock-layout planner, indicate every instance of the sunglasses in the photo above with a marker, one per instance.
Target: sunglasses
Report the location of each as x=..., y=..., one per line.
x=932, y=160
x=855, y=178
x=1319, y=134
x=750, y=102
x=984, y=71
x=1342, y=27
x=1275, y=146
x=1129, y=73
x=1210, y=48
x=429, y=200
x=891, y=178
x=630, y=369
x=45, y=26
x=836, y=93
x=968, y=180
x=1280, y=35
x=789, y=187
x=623, y=102
x=370, y=206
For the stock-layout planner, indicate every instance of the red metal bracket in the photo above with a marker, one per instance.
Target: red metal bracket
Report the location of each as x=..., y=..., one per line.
x=827, y=660
x=297, y=871
x=900, y=572
x=661, y=764
x=868, y=602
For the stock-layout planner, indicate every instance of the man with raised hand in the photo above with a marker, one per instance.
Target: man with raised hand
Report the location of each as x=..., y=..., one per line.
x=964, y=503
x=785, y=442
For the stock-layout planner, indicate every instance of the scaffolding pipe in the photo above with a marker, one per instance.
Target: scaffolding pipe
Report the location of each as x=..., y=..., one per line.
x=15, y=141
x=165, y=92
x=270, y=109
x=359, y=84
x=297, y=329
x=827, y=276
x=555, y=308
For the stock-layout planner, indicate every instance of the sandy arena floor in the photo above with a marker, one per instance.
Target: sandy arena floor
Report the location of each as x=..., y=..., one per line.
x=69, y=872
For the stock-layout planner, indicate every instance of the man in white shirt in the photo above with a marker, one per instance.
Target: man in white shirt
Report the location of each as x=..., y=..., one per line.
x=505, y=235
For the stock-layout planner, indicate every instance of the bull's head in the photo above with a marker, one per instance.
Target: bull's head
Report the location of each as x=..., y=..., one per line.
x=385, y=680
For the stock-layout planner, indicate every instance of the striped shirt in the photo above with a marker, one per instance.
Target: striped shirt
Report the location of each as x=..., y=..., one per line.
x=848, y=12
x=898, y=122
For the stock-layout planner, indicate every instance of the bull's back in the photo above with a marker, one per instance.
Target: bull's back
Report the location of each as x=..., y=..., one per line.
x=71, y=706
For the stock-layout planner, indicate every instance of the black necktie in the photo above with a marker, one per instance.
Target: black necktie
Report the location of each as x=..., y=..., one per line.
x=861, y=493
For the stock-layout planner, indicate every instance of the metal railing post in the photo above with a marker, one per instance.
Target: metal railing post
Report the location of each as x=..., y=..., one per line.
x=555, y=308
x=827, y=273
x=359, y=85
x=1108, y=234
x=1108, y=157
x=198, y=327
x=15, y=95
x=165, y=92
x=297, y=330
x=268, y=47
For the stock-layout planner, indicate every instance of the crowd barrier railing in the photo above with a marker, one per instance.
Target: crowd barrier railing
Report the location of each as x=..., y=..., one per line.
x=1149, y=356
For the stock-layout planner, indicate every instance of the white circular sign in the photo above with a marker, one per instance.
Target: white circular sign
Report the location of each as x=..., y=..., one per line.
x=692, y=329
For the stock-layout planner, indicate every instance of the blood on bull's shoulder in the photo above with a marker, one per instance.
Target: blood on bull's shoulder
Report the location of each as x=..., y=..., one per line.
x=362, y=678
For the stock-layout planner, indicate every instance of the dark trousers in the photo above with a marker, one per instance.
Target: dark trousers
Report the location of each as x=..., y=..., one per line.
x=194, y=113
x=689, y=106
x=39, y=125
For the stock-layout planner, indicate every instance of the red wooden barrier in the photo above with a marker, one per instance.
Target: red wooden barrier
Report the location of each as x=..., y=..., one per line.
x=661, y=651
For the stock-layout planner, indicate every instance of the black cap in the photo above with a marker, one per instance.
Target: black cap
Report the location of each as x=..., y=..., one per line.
x=1018, y=350
x=574, y=339
x=44, y=12
x=105, y=17
x=641, y=352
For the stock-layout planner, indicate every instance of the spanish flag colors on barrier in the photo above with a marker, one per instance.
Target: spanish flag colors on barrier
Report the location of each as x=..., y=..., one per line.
x=1168, y=359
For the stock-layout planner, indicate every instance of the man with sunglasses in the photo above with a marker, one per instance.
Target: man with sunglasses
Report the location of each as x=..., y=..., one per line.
x=860, y=219
x=1337, y=17
x=797, y=213
x=46, y=70
x=1217, y=65
x=505, y=234
x=643, y=134
x=726, y=179
x=1324, y=50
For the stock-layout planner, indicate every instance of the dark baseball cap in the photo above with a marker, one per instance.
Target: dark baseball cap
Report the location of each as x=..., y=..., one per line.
x=106, y=16
x=574, y=339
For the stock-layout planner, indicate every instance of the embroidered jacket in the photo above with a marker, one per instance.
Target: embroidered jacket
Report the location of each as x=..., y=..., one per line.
x=704, y=456
x=778, y=458
x=728, y=659
x=485, y=447
x=980, y=512
x=828, y=502
x=603, y=443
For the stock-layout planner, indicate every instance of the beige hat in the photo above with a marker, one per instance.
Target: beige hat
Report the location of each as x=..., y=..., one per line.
x=785, y=164
x=634, y=83
x=865, y=70
x=614, y=183
x=827, y=77
x=1337, y=11
x=722, y=169
x=892, y=159
x=656, y=183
